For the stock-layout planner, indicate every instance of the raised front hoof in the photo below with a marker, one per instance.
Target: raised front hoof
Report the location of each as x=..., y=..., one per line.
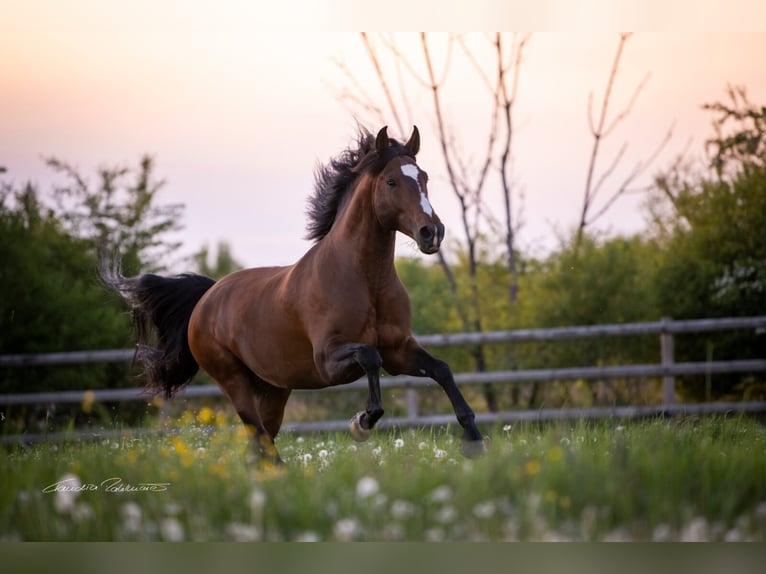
x=473, y=448
x=358, y=433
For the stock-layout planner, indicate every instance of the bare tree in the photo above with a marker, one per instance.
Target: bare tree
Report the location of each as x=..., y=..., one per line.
x=600, y=130
x=468, y=180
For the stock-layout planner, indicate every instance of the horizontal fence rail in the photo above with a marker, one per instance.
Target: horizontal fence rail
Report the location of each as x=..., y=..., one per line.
x=667, y=369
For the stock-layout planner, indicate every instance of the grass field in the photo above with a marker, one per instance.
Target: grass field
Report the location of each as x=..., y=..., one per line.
x=692, y=479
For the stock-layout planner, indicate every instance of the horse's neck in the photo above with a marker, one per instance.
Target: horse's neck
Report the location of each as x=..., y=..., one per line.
x=358, y=235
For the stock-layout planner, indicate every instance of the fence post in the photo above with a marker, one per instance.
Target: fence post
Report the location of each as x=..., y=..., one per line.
x=666, y=358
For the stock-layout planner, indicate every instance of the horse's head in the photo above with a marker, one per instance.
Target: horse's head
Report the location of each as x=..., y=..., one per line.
x=401, y=195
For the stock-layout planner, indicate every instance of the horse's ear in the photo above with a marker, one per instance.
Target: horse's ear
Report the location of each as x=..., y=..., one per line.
x=413, y=145
x=381, y=141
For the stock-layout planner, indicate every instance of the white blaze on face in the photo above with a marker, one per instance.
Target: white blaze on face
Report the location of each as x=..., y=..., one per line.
x=411, y=170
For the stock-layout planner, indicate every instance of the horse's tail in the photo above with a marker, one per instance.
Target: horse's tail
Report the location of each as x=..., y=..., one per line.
x=162, y=305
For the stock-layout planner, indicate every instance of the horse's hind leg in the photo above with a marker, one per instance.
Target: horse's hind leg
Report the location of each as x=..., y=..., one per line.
x=242, y=387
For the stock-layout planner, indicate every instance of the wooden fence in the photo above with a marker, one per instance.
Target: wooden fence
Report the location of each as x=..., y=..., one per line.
x=667, y=369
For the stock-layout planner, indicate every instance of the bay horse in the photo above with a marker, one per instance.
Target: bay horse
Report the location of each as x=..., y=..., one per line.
x=337, y=314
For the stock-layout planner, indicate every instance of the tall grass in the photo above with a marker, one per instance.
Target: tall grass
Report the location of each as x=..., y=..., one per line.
x=692, y=479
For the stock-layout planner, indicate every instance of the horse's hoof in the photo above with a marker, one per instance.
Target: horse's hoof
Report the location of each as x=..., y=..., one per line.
x=358, y=433
x=473, y=448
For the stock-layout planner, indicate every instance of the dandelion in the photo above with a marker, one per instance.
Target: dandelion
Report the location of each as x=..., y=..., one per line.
x=322, y=454
x=532, y=467
x=433, y=535
x=398, y=443
x=205, y=415
x=131, y=517
x=257, y=501
x=179, y=445
x=352, y=448
x=377, y=451
x=662, y=533
x=507, y=428
x=240, y=532
x=422, y=446
x=88, y=398
x=171, y=530
x=402, y=509
x=484, y=509
x=555, y=454
x=366, y=487
x=82, y=511
x=347, y=530
x=308, y=536
x=440, y=494
x=446, y=514
x=305, y=458
x=64, y=499
x=439, y=453
x=551, y=496
x=696, y=531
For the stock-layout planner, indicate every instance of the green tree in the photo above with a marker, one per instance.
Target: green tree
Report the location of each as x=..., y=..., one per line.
x=50, y=299
x=714, y=258
x=588, y=282
x=120, y=214
x=223, y=264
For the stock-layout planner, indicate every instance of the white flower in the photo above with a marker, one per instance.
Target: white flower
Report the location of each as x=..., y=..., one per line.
x=377, y=450
x=422, y=446
x=65, y=496
x=308, y=536
x=446, y=514
x=439, y=453
x=484, y=509
x=351, y=448
x=441, y=494
x=172, y=530
x=173, y=509
x=366, y=487
x=401, y=509
x=82, y=511
x=322, y=453
x=347, y=529
x=696, y=531
x=507, y=428
x=240, y=532
x=398, y=443
x=131, y=517
x=257, y=501
x=306, y=458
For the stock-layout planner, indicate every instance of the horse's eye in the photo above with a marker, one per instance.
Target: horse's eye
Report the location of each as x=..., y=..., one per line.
x=391, y=183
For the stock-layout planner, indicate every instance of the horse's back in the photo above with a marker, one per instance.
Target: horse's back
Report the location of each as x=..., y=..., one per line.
x=251, y=314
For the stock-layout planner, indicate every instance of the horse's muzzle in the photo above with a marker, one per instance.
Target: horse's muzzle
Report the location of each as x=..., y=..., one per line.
x=430, y=237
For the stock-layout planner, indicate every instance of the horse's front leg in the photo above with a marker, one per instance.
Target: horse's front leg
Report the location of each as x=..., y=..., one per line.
x=412, y=359
x=344, y=359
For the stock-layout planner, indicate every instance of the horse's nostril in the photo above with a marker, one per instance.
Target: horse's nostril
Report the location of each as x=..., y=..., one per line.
x=427, y=233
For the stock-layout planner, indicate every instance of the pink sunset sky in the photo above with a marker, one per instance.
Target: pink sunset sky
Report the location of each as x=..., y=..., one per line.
x=237, y=119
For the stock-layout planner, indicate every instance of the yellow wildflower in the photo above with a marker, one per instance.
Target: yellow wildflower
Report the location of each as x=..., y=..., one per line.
x=88, y=397
x=205, y=415
x=555, y=454
x=179, y=445
x=532, y=467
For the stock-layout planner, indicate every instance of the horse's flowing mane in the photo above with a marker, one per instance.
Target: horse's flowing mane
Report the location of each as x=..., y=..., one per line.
x=335, y=179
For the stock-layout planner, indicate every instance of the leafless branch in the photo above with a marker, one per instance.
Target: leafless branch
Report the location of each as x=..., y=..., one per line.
x=382, y=79
x=637, y=170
